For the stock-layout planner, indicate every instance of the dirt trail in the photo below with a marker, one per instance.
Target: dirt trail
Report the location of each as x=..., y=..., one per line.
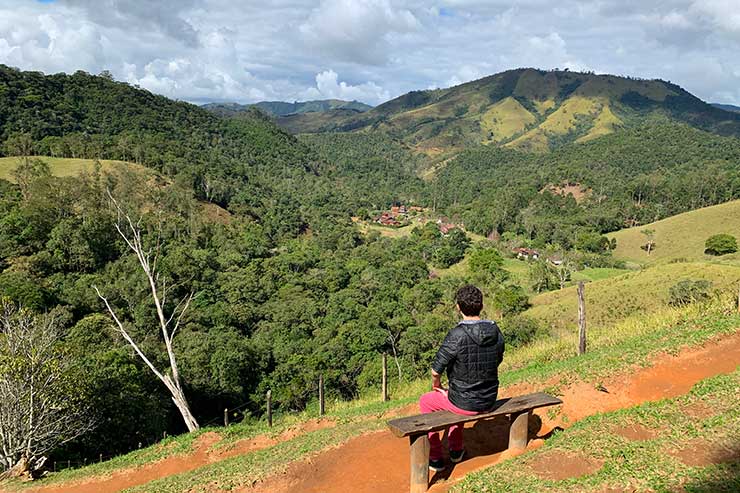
x=202, y=455
x=379, y=461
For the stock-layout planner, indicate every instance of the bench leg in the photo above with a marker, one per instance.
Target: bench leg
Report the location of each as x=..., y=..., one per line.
x=419, y=463
x=519, y=431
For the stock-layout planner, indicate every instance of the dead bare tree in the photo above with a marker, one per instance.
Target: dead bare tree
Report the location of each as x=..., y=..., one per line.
x=40, y=407
x=131, y=232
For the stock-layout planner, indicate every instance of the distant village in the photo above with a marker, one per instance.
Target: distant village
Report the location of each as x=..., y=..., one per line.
x=399, y=215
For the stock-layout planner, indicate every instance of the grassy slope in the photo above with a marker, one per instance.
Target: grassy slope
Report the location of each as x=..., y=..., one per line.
x=64, y=167
x=634, y=341
x=627, y=465
x=680, y=236
x=613, y=299
x=67, y=166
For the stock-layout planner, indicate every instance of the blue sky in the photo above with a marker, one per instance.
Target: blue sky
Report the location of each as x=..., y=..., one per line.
x=370, y=50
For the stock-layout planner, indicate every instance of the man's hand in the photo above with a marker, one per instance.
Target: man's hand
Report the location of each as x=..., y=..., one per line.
x=437, y=382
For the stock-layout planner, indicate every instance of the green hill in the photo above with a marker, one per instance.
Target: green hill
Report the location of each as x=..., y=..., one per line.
x=283, y=108
x=681, y=236
x=298, y=117
x=534, y=110
x=727, y=107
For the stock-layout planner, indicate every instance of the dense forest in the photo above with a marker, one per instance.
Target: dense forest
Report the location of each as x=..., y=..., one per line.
x=633, y=177
x=285, y=286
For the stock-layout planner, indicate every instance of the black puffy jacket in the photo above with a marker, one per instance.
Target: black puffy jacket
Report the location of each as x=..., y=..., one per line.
x=471, y=353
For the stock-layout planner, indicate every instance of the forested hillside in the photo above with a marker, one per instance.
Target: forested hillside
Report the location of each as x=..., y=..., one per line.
x=287, y=288
x=534, y=110
x=632, y=177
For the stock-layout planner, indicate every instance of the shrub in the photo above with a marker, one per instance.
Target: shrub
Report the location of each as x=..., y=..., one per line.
x=720, y=244
x=689, y=291
x=520, y=330
x=511, y=300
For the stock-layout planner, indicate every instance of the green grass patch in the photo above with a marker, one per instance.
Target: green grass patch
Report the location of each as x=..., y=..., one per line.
x=612, y=299
x=680, y=237
x=67, y=166
x=591, y=274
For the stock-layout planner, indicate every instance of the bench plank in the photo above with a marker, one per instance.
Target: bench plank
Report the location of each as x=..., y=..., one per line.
x=424, y=423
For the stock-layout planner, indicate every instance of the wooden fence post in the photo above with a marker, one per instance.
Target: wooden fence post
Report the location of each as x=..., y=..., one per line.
x=100, y=458
x=581, y=319
x=269, y=408
x=321, y=395
x=384, y=381
x=226, y=416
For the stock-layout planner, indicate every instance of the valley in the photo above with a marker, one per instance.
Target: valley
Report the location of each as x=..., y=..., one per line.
x=287, y=244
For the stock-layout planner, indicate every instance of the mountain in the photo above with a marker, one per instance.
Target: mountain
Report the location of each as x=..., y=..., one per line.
x=297, y=117
x=533, y=110
x=727, y=107
x=282, y=108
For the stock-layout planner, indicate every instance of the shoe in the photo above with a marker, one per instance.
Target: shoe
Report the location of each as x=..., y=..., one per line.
x=456, y=455
x=437, y=465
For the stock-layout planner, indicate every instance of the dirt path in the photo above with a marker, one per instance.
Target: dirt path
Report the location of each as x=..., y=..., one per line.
x=203, y=454
x=379, y=461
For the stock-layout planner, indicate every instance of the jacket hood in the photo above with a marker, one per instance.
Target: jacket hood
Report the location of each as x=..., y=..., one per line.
x=484, y=333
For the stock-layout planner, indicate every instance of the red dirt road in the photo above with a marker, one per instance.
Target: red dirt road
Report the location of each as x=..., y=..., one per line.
x=203, y=455
x=379, y=461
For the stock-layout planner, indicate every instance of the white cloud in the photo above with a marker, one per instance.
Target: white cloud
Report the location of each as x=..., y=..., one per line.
x=356, y=31
x=204, y=50
x=329, y=87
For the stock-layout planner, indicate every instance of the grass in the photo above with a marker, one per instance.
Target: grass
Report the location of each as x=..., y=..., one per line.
x=504, y=120
x=627, y=465
x=611, y=299
x=614, y=349
x=65, y=166
x=591, y=274
x=604, y=124
x=681, y=236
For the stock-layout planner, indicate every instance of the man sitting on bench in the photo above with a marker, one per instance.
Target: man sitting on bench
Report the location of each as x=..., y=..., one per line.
x=471, y=354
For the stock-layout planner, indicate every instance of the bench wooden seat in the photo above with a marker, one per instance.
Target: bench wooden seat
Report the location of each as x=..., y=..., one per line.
x=416, y=428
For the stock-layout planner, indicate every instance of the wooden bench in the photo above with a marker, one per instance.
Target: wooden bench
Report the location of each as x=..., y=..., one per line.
x=417, y=427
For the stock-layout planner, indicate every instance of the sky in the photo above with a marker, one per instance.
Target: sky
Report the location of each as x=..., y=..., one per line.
x=369, y=50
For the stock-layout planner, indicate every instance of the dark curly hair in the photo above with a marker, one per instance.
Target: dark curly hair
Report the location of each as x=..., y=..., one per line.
x=470, y=300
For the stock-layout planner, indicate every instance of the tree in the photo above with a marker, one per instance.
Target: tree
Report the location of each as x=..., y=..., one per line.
x=720, y=244
x=564, y=270
x=489, y=262
x=511, y=300
x=40, y=402
x=28, y=171
x=132, y=234
x=542, y=277
x=650, y=236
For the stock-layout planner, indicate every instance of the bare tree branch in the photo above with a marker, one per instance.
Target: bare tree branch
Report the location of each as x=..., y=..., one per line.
x=148, y=259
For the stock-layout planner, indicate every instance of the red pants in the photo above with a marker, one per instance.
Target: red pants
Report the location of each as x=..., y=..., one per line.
x=437, y=401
